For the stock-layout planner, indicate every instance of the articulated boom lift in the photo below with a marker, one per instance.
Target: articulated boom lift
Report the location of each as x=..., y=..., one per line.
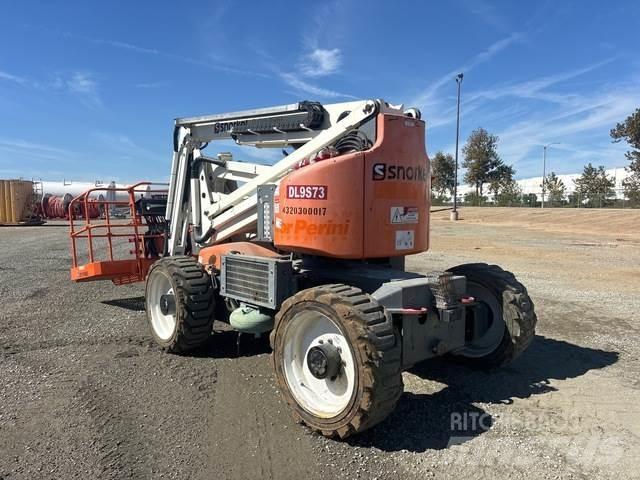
x=307, y=126
x=312, y=250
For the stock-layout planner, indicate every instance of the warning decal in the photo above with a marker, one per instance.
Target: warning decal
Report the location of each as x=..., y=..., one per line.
x=404, y=239
x=404, y=215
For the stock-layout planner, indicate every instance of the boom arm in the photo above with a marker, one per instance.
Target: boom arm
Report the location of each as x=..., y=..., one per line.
x=217, y=215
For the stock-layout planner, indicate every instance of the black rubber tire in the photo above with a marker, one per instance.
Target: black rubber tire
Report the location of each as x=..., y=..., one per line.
x=376, y=348
x=195, y=302
x=518, y=313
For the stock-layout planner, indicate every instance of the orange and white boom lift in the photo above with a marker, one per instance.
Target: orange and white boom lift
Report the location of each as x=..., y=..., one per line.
x=312, y=250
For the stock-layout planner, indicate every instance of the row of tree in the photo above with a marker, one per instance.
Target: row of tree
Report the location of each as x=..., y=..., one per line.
x=594, y=188
x=484, y=167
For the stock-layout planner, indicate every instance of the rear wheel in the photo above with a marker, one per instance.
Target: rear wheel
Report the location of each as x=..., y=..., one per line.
x=179, y=302
x=337, y=359
x=501, y=323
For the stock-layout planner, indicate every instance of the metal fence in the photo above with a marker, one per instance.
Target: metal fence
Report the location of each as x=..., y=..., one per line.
x=617, y=199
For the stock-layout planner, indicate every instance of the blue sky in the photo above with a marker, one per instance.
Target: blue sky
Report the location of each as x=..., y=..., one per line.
x=89, y=90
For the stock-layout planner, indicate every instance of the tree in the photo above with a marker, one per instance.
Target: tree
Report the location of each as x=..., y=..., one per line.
x=443, y=168
x=629, y=130
x=554, y=189
x=631, y=184
x=530, y=200
x=480, y=158
x=594, y=186
x=501, y=178
x=509, y=193
x=472, y=198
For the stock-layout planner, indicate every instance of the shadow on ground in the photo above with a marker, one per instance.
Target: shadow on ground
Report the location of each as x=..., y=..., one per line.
x=435, y=421
x=231, y=344
x=545, y=360
x=424, y=422
x=132, y=303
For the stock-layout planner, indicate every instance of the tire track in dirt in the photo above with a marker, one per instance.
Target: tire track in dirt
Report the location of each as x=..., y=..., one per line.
x=251, y=431
x=118, y=443
x=10, y=348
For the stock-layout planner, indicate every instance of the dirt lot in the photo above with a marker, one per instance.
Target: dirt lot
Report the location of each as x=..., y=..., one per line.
x=85, y=394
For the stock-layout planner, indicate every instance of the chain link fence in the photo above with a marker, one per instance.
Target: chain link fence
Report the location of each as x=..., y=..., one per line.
x=613, y=199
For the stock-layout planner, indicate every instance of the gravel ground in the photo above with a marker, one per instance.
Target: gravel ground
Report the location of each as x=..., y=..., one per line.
x=85, y=394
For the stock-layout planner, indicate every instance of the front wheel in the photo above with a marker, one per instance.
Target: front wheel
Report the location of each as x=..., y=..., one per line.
x=179, y=302
x=501, y=323
x=337, y=359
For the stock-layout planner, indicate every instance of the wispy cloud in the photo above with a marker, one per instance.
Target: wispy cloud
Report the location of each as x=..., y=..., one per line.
x=305, y=87
x=80, y=84
x=581, y=128
x=488, y=13
x=211, y=63
x=431, y=101
x=438, y=113
x=588, y=113
x=530, y=113
x=430, y=94
x=326, y=25
x=321, y=62
x=13, y=78
x=83, y=85
x=27, y=159
x=125, y=148
x=24, y=144
x=318, y=58
x=17, y=153
x=123, y=45
x=537, y=87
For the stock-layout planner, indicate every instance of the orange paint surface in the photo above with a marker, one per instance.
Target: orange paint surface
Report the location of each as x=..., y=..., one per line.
x=368, y=204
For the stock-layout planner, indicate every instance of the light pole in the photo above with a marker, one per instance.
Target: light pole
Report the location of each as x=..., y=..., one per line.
x=544, y=167
x=454, y=213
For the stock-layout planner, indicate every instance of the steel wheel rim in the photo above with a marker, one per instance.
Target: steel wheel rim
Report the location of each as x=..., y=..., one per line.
x=163, y=325
x=492, y=336
x=324, y=398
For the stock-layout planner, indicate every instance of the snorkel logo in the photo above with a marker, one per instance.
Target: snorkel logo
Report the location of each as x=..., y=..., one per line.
x=382, y=171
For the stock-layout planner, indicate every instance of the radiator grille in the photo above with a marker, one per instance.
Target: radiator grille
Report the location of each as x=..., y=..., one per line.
x=247, y=279
x=259, y=281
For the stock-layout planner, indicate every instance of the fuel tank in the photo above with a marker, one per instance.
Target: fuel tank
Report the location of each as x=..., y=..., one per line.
x=360, y=205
